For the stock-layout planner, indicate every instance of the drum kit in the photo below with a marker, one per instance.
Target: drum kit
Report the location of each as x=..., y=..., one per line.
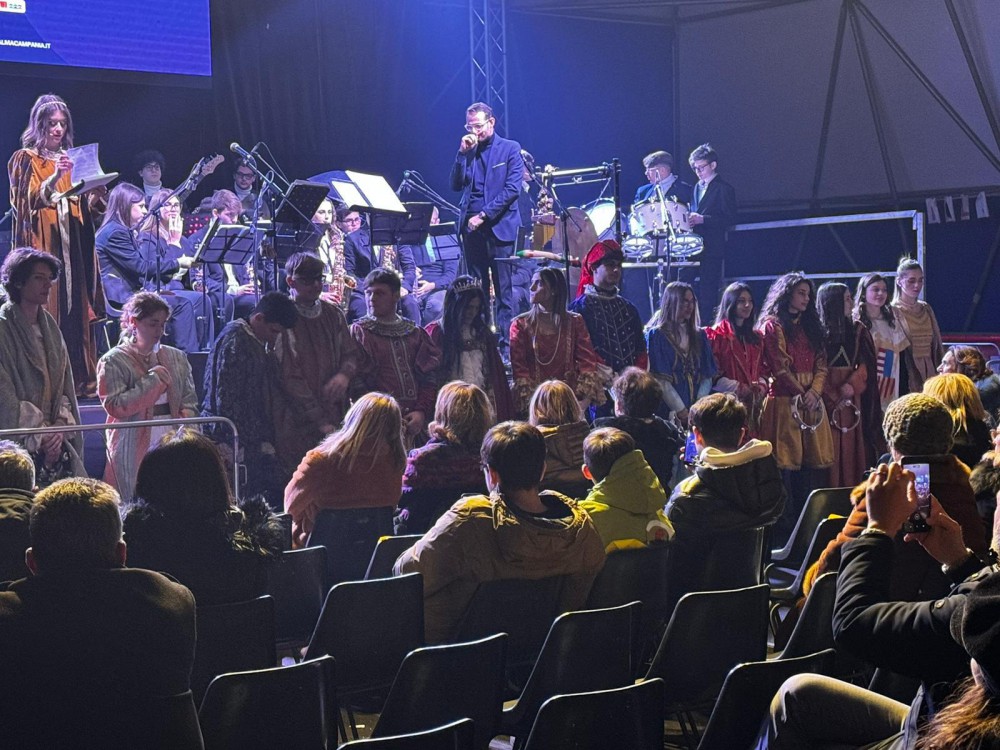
x=656, y=228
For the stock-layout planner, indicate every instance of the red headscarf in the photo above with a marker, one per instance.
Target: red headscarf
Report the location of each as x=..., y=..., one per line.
x=598, y=253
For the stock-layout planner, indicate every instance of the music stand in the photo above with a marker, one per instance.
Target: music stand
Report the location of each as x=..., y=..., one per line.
x=408, y=229
x=299, y=203
x=366, y=194
x=225, y=244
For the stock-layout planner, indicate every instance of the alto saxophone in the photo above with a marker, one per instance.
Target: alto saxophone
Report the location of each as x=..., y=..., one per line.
x=336, y=279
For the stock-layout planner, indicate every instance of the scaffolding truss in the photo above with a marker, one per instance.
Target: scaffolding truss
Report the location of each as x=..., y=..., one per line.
x=488, y=51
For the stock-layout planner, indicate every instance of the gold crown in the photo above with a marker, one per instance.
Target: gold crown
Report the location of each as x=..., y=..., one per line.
x=466, y=283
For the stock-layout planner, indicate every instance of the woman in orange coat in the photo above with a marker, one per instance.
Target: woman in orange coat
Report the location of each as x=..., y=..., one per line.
x=39, y=172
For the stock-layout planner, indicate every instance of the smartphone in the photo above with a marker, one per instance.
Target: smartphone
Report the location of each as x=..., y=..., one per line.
x=917, y=522
x=690, y=449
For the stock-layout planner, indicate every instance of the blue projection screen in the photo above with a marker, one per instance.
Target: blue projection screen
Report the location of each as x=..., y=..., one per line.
x=172, y=37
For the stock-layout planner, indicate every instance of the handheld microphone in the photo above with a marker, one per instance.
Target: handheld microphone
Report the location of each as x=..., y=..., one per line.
x=238, y=149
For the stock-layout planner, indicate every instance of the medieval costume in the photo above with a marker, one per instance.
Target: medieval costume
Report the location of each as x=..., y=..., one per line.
x=741, y=370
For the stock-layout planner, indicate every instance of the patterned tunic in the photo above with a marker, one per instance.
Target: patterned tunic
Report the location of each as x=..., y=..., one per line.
x=614, y=326
x=402, y=362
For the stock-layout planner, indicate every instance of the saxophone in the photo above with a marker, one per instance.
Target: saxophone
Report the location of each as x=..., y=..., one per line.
x=336, y=280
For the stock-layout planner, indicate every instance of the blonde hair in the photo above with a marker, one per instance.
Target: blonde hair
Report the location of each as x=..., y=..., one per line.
x=553, y=403
x=462, y=414
x=373, y=421
x=960, y=396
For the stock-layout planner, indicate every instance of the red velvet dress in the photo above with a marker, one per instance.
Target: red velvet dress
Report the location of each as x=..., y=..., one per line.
x=744, y=363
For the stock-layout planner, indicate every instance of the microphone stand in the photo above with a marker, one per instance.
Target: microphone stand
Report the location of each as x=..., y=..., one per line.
x=414, y=181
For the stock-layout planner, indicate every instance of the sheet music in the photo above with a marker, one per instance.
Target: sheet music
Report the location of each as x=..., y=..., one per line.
x=377, y=190
x=86, y=164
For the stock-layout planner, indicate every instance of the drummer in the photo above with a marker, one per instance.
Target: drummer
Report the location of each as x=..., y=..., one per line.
x=660, y=172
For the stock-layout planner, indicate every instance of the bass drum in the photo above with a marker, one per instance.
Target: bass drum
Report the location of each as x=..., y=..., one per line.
x=602, y=216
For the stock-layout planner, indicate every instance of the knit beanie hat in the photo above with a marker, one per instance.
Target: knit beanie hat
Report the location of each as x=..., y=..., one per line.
x=975, y=626
x=918, y=425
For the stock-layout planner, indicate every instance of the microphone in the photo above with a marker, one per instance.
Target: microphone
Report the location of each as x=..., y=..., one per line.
x=238, y=149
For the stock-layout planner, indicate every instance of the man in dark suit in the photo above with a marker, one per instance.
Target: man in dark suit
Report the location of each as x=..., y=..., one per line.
x=713, y=211
x=361, y=258
x=660, y=173
x=91, y=653
x=488, y=170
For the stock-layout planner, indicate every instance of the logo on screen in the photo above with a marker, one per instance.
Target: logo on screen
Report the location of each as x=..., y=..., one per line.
x=13, y=6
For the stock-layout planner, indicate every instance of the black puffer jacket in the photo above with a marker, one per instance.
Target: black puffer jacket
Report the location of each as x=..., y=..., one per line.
x=221, y=557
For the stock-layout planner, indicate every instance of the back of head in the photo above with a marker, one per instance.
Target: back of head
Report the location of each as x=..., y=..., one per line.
x=462, y=414
x=75, y=524
x=970, y=362
x=636, y=393
x=603, y=447
x=720, y=418
x=120, y=202
x=960, y=396
x=553, y=403
x=276, y=307
x=373, y=421
x=184, y=477
x=516, y=452
x=918, y=425
x=17, y=469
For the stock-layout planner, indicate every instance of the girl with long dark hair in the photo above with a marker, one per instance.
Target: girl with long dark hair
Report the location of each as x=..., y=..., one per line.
x=739, y=352
x=872, y=309
x=850, y=390
x=794, y=419
x=469, y=347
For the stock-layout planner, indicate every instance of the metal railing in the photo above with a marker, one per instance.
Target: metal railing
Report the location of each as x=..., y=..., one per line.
x=15, y=432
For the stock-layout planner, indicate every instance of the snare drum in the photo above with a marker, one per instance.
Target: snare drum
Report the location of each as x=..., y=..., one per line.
x=648, y=217
x=679, y=216
x=638, y=248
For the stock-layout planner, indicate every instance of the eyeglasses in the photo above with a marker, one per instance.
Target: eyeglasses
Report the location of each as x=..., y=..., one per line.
x=245, y=175
x=475, y=127
x=699, y=168
x=352, y=220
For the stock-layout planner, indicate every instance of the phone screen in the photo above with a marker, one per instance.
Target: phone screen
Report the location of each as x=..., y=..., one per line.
x=922, y=486
x=690, y=449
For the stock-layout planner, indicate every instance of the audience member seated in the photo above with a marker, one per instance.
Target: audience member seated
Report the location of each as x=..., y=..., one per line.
x=959, y=395
x=447, y=466
x=916, y=425
x=735, y=485
x=17, y=490
x=36, y=376
x=89, y=650
x=516, y=532
x=140, y=379
x=359, y=466
x=637, y=396
x=554, y=410
x=626, y=502
x=932, y=641
x=243, y=384
x=185, y=522
x=969, y=361
x=985, y=480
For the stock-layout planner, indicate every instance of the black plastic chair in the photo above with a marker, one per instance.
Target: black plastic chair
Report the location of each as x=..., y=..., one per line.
x=785, y=596
x=455, y=736
x=438, y=684
x=232, y=638
x=387, y=551
x=369, y=627
x=708, y=634
x=350, y=536
x=269, y=708
x=296, y=583
x=584, y=651
x=813, y=630
x=746, y=697
x=523, y=609
x=820, y=504
x=627, y=718
x=636, y=575
x=716, y=561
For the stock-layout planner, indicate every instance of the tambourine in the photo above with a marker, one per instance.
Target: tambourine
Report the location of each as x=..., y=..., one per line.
x=835, y=415
x=797, y=411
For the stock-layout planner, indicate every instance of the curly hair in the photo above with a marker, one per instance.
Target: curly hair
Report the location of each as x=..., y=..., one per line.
x=776, y=306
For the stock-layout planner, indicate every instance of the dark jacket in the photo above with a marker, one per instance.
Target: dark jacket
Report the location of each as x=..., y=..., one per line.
x=504, y=172
x=718, y=206
x=658, y=440
x=729, y=491
x=359, y=260
x=437, y=474
x=911, y=639
x=564, y=458
x=14, y=540
x=221, y=558
x=88, y=655
x=124, y=269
